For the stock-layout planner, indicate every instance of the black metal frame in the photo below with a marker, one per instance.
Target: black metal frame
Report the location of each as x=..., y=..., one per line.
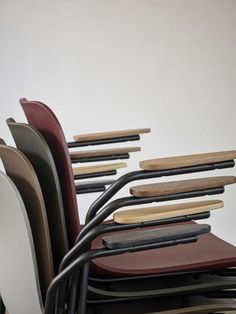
x=95, y=175
x=76, y=265
x=141, y=175
x=104, y=141
x=95, y=217
x=92, y=186
x=99, y=158
x=90, y=190
x=98, y=229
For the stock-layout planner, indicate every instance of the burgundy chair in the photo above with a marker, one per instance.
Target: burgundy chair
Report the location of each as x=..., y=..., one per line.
x=42, y=118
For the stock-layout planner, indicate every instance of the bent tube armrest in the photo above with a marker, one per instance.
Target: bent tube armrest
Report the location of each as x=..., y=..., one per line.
x=160, y=235
x=141, y=175
x=93, y=184
x=187, y=160
x=110, y=135
x=145, y=214
x=167, y=188
x=97, y=169
x=92, y=187
x=82, y=259
x=91, y=190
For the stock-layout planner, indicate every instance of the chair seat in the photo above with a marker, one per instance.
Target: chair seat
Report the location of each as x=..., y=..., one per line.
x=182, y=186
x=187, y=160
x=209, y=252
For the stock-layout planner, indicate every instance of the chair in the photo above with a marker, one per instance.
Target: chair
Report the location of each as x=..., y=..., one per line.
x=19, y=265
x=19, y=169
x=218, y=163
x=30, y=141
x=18, y=269
x=211, y=156
x=43, y=119
x=34, y=146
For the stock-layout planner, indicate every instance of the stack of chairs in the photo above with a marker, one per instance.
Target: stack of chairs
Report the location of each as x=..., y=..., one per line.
x=150, y=259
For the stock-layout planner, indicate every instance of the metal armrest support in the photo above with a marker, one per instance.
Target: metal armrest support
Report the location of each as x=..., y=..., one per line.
x=95, y=228
x=61, y=279
x=142, y=174
x=100, y=158
x=104, y=141
x=95, y=175
x=92, y=186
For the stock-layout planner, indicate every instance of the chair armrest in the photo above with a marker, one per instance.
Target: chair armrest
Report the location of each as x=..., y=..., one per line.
x=93, y=184
x=109, y=135
x=159, y=235
x=104, y=152
x=140, y=215
x=92, y=187
x=175, y=187
x=97, y=169
x=187, y=160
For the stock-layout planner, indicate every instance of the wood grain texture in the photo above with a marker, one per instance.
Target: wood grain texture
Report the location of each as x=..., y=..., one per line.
x=104, y=152
x=158, y=235
x=139, y=215
x=95, y=169
x=174, y=187
x=113, y=134
x=187, y=160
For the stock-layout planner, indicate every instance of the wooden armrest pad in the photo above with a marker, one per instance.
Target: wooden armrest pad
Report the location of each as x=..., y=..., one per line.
x=95, y=169
x=175, y=187
x=104, y=152
x=106, y=135
x=187, y=160
x=139, y=215
x=159, y=235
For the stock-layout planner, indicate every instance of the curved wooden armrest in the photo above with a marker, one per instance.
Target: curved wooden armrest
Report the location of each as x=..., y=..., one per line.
x=139, y=215
x=187, y=160
x=104, y=152
x=106, y=135
x=159, y=235
x=175, y=187
x=97, y=169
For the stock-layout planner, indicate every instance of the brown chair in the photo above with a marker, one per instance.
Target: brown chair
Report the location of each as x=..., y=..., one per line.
x=20, y=170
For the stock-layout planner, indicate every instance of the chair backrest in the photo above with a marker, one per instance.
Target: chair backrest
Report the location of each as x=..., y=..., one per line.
x=19, y=283
x=43, y=119
x=29, y=141
x=21, y=172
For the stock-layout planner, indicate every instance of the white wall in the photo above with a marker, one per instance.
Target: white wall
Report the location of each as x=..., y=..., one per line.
x=113, y=64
